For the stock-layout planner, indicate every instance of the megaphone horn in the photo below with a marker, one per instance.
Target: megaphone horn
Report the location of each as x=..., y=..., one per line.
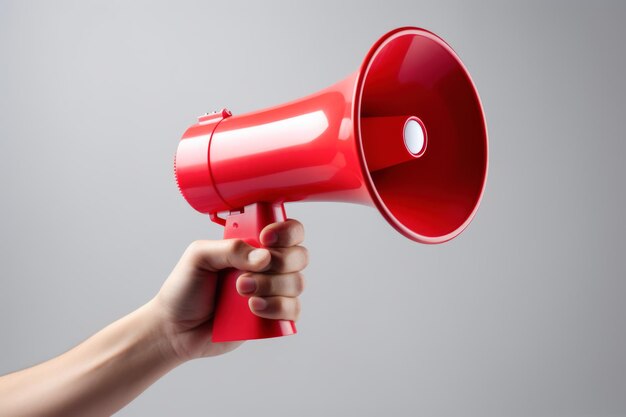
x=406, y=133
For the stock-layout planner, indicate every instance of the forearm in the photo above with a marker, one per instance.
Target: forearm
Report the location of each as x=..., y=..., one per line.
x=96, y=378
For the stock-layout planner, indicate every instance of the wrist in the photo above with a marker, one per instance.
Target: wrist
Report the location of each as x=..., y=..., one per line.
x=160, y=333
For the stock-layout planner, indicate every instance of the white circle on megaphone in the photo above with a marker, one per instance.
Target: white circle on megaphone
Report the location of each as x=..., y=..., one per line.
x=415, y=136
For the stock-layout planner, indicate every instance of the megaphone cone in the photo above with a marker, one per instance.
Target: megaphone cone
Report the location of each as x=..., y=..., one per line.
x=406, y=133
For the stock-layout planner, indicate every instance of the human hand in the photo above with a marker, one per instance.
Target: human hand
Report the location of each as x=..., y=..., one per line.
x=173, y=327
x=186, y=302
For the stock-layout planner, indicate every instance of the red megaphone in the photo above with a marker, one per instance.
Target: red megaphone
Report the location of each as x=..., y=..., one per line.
x=405, y=133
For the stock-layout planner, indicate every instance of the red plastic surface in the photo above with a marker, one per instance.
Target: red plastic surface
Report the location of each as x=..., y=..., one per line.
x=433, y=198
x=332, y=145
x=233, y=318
x=192, y=165
x=317, y=147
x=386, y=153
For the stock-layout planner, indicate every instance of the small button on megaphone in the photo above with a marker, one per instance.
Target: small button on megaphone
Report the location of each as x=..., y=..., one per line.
x=405, y=133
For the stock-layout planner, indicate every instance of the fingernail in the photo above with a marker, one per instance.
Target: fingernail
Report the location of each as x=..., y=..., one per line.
x=258, y=255
x=257, y=303
x=247, y=285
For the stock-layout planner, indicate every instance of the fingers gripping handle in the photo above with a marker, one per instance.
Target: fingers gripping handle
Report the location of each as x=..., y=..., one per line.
x=233, y=318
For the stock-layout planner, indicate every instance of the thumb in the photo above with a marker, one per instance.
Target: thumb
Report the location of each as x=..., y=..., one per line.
x=258, y=259
x=214, y=255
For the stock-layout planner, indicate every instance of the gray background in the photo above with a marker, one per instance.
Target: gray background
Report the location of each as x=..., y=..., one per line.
x=522, y=315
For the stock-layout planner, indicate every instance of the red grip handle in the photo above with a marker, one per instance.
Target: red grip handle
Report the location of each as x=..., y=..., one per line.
x=233, y=318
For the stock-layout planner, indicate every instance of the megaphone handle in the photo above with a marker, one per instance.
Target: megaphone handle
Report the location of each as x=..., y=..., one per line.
x=233, y=318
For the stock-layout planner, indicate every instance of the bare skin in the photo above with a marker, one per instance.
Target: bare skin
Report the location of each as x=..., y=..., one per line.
x=111, y=368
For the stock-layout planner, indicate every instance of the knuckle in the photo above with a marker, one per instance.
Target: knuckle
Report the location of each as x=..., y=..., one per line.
x=293, y=223
x=282, y=304
x=305, y=256
x=194, y=247
x=194, y=251
x=294, y=231
x=267, y=284
x=290, y=259
x=300, y=283
x=300, y=229
x=279, y=305
x=289, y=236
x=297, y=308
x=278, y=261
x=236, y=245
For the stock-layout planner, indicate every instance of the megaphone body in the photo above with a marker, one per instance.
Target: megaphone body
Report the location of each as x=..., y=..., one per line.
x=406, y=134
